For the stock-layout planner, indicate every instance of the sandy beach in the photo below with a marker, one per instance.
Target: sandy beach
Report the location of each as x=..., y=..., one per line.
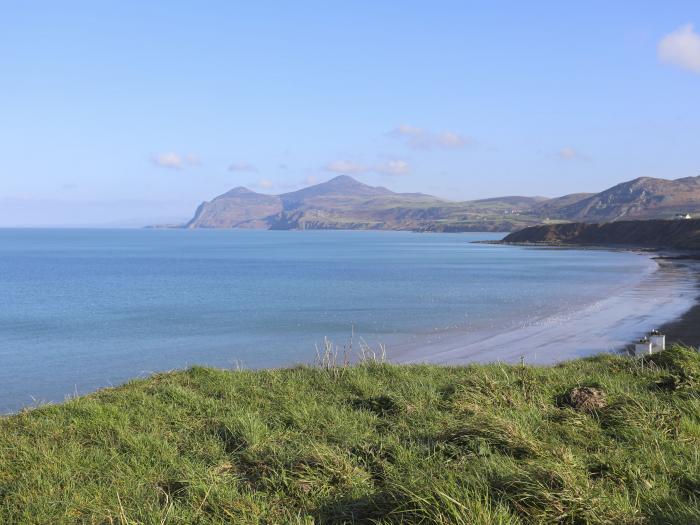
x=686, y=328
x=665, y=299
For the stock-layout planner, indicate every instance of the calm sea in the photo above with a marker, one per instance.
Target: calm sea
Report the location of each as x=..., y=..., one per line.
x=82, y=309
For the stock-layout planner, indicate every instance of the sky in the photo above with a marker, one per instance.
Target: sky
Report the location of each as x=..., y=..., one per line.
x=125, y=113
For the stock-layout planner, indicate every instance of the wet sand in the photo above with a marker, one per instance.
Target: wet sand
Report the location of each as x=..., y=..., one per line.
x=686, y=329
x=665, y=299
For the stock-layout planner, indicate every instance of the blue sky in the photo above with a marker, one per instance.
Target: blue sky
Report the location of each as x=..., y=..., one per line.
x=124, y=113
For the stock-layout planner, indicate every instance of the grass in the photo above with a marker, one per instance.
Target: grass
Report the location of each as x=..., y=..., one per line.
x=370, y=443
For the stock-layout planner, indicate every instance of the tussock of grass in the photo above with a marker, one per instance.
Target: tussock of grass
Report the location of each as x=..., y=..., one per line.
x=371, y=443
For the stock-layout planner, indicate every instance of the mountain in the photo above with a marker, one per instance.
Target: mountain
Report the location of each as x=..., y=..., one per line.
x=642, y=198
x=342, y=186
x=677, y=234
x=552, y=207
x=238, y=208
x=345, y=203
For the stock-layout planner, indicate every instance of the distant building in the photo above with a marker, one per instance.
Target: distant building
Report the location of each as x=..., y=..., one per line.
x=683, y=216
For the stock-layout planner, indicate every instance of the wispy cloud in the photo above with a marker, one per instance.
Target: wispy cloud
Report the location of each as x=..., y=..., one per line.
x=175, y=161
x=392, y=167
x=242, y=167
x=265, y=184
x=570, y=153
x=681, y=48
x=419, y=138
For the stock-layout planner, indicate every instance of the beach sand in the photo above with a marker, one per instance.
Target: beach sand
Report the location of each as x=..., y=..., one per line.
x=665, y=299
x=685, y=329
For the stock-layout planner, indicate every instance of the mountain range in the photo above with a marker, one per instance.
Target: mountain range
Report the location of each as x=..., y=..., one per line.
x=345, y=203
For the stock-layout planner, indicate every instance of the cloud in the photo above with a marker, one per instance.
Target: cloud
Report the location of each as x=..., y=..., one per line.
x=569, y=153
x=419, y=138
x=390, y=167
x=448, y=139
x=393, y=167
x=406, y=130
x=243, y=167
x=311, y=179
x=681, y=48
x=266, y=184
x=174, y=161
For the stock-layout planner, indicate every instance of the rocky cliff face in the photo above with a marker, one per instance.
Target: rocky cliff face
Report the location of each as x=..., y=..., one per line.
x=238, y=208
x=642, y=198
x=674, y=234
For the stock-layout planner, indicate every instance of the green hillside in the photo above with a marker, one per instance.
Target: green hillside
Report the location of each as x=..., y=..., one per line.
x=602, y=440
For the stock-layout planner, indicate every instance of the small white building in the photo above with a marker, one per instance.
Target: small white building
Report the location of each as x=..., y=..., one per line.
x=682, y=216
x=658, y=341
x=655, y=342
x=642, y=347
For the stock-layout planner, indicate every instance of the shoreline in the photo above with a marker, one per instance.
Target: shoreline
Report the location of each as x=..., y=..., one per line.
x=667, y=299
x=685, y=330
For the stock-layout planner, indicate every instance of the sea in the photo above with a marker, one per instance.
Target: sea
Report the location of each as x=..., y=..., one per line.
x=82, y=309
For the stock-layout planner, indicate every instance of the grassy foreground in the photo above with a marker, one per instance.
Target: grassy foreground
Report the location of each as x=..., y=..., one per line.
x=372, y=443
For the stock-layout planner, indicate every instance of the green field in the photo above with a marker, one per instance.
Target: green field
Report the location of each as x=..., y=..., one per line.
x=370, y=443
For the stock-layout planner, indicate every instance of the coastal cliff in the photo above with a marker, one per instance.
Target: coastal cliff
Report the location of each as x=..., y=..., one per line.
x=675, y=234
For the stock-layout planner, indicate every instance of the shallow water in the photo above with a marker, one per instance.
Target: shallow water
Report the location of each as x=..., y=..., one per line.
x=610, y=324
x=82, y=309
